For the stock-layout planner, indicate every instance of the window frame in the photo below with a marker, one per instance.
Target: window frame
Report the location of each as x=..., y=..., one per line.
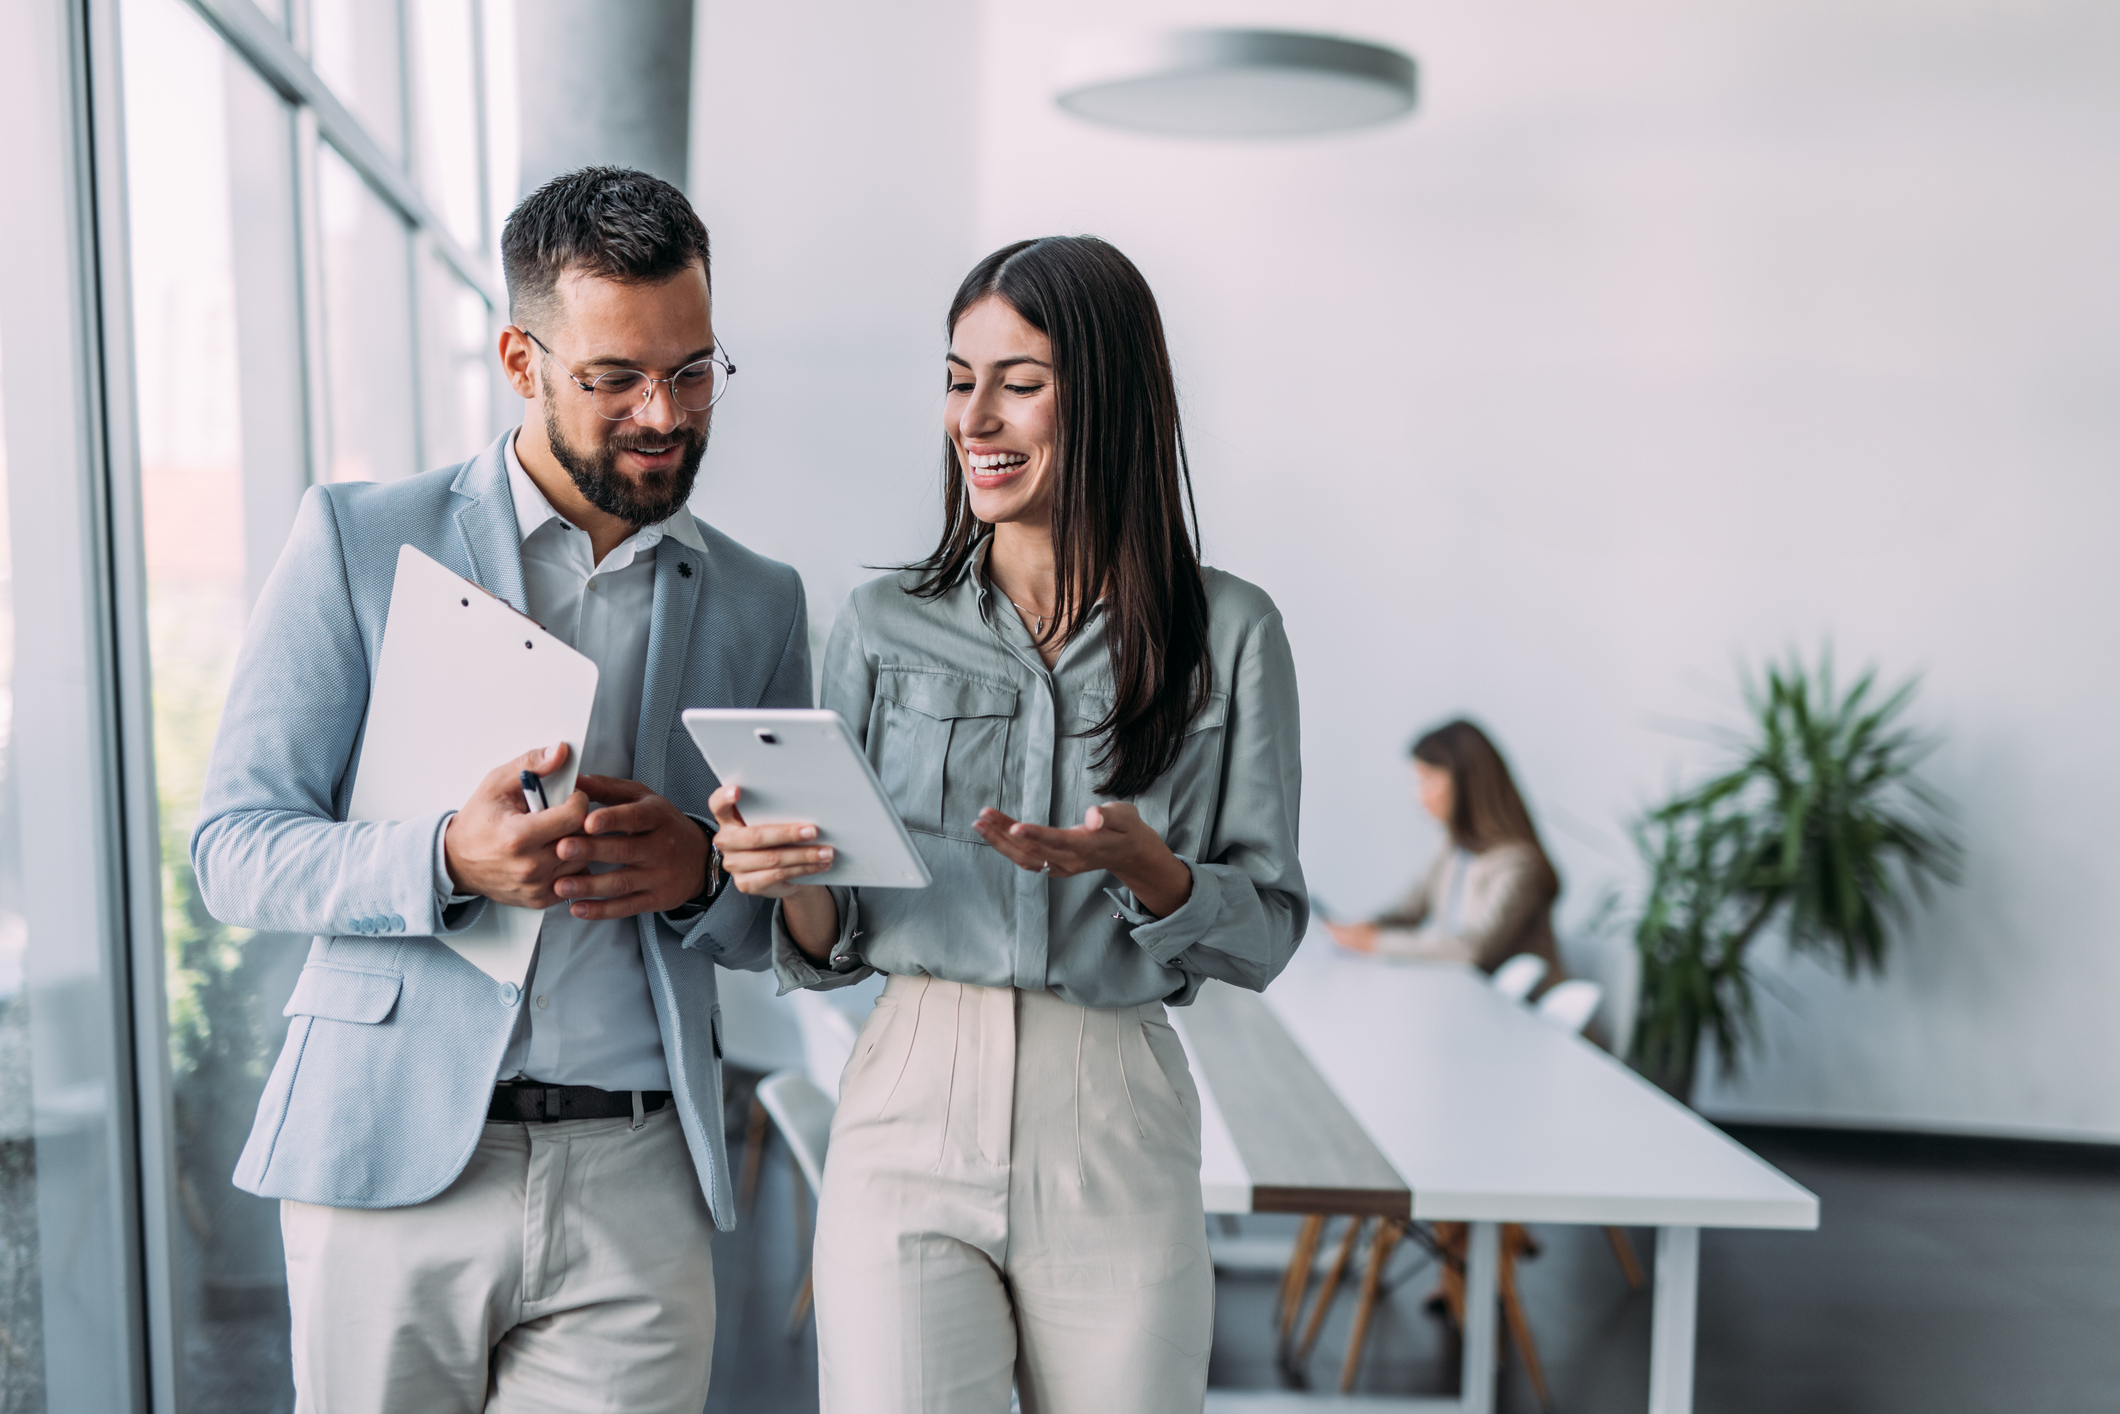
x=90, y=86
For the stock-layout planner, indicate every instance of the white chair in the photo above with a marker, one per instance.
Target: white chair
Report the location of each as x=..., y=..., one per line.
x=1571, y=1004
x=827, y=1040
x=1516, y=978
x=758, y=1034
x=803, y=1115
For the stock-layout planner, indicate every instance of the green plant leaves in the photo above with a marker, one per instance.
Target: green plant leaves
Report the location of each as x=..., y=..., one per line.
x=1820, y=827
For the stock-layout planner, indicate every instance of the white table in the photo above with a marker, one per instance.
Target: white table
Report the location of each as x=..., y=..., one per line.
x=1491, y=1116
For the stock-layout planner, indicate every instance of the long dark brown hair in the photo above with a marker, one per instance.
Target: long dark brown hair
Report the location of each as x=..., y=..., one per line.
x=1121, y=492
x=1486, y=809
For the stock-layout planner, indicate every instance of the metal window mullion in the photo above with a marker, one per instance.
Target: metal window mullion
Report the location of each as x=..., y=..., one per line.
x=133, y=708
x=268, y=51
x=316, y=360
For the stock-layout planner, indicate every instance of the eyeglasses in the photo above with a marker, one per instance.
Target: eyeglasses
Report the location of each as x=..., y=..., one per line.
x=625, y=393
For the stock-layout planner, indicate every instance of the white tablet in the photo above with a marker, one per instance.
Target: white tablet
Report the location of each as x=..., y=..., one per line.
x=802, y=767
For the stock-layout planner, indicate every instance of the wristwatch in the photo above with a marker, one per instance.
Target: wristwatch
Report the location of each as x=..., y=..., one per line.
x=717, y=880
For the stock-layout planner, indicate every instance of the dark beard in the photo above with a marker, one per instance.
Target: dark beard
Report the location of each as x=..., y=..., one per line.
x=661, y=495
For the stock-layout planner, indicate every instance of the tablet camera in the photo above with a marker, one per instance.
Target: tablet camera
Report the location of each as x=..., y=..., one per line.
x=767, y=737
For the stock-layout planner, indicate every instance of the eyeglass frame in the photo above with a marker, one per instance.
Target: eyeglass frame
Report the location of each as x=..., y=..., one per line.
x=719, y=355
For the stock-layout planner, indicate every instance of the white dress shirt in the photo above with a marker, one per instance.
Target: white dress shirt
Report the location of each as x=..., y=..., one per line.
x=587, y=1018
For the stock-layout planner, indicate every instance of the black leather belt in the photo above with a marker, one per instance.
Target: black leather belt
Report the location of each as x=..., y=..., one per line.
x=527, y=1102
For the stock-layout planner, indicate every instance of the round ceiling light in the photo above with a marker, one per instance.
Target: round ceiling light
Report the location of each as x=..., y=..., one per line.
x=1240, y=83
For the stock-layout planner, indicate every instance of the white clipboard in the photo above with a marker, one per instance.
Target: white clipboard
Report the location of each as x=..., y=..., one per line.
x=464, y=684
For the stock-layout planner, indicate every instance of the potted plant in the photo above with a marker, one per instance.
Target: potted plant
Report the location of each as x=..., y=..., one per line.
x=1819, y=828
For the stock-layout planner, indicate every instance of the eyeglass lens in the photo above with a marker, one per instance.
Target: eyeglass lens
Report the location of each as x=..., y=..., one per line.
x=622, y=394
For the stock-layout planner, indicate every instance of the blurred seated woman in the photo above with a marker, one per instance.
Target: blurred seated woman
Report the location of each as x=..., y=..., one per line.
x=1489, y=894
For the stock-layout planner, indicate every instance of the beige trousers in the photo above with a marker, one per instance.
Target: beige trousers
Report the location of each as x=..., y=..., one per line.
x=566, y=1270
x=1013, y=1191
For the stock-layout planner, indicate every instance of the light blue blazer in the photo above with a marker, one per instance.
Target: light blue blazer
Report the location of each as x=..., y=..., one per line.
x=379, y=1095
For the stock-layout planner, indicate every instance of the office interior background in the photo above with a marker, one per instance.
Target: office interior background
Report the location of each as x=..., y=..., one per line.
x=1660, y=340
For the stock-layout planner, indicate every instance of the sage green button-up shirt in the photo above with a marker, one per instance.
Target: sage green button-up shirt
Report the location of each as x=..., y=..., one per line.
x=957, y=711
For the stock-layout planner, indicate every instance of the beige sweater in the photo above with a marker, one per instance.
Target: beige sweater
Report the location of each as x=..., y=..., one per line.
x=1506, y=908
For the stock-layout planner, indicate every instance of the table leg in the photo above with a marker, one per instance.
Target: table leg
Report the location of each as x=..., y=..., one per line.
x=1483, y=1264
x=1671, y=1323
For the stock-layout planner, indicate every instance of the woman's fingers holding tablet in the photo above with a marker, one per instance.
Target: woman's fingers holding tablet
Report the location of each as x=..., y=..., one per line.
x=722, y=806
x=764, y=859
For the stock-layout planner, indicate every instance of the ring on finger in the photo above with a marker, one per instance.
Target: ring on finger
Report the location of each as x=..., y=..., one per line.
x=1045, y=870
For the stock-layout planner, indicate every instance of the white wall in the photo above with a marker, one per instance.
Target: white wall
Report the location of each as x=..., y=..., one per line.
x=841, y=216
x=1664, y=337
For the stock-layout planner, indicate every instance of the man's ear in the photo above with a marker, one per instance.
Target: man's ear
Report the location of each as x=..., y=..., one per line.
x=518, y=357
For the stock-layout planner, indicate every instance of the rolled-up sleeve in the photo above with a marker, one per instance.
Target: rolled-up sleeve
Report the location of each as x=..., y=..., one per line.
x=1248, y=908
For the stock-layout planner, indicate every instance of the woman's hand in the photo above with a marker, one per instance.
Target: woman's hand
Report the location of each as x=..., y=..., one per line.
x=1111, y=838
x=1355, y=937
x=768, y=861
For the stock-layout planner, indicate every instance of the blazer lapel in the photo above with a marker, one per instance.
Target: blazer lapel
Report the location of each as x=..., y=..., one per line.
x=488, y=526
x=679, y=571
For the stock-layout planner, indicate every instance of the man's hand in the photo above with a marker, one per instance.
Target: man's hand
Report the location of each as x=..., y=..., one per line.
x=654, y=855
x=496, y=847
x=1111, y=838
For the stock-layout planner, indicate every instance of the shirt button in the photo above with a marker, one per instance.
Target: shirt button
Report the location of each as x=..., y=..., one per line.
x=510, y=993
x=541, y=1003
x=592, y=586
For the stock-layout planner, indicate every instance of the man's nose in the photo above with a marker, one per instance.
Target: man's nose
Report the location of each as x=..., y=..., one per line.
x=660, y=413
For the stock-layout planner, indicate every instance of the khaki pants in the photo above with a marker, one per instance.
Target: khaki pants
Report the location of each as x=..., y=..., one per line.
x=567, y=1269
x=1013, y=1190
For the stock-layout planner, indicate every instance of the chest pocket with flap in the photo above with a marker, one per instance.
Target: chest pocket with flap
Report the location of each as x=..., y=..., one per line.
x=337, y=992
x=940, y=743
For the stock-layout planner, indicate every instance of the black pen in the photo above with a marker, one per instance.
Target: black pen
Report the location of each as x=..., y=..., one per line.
x=534, y=793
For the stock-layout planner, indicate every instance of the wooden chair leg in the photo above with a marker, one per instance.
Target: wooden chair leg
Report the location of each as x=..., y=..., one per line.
x=1388, y=1232
x=1629, y=1264
x=1520, y=1327
x=801, y=1308
x=1453, y=1240
x=754, y=1147
x=1296, y=1280
x=1330, y=1289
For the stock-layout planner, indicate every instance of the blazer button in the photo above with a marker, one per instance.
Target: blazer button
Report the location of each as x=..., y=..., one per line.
x=510, y=994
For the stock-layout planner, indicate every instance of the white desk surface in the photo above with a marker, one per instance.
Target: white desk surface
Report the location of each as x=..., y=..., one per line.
x=1490, y=1113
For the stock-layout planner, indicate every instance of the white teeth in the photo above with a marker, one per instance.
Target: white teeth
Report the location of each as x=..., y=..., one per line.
x=996, y=461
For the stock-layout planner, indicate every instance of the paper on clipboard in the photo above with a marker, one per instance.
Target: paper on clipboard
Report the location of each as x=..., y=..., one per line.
x=464, y=684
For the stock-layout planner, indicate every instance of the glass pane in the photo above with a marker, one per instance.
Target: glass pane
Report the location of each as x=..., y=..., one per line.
x=210, y=159
x=445, y=50
x=457, y=372
x=21, y=1293
x=357, y=48
x=367, y=328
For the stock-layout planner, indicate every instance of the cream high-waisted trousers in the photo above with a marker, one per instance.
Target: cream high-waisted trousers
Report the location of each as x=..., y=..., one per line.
x=1013, y=1191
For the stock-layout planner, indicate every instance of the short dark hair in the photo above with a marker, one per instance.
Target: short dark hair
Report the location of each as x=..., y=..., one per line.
x=608, y=221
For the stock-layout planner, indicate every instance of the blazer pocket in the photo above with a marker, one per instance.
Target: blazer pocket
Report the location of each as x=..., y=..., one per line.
x=336, y=992
x=940, y=744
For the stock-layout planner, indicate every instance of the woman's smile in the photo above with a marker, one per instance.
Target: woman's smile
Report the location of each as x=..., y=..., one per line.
x=991, y=467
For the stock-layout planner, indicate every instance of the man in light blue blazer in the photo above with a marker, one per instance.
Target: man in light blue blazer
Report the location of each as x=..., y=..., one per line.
x=500, y=1197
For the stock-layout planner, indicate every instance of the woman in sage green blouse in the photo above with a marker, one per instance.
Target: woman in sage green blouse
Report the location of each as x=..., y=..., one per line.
x=1093, y=740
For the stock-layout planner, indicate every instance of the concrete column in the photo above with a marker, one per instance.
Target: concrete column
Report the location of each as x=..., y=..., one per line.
x=604, y=82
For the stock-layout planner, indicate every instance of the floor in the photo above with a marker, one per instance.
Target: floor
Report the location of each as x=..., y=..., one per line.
x=1948, y=1277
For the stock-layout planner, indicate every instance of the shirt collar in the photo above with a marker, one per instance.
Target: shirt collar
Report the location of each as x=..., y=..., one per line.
x=532, y=510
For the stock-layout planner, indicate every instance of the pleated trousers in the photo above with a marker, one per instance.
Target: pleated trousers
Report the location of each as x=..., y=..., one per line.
x=1012, y=1193
x=568, y=1270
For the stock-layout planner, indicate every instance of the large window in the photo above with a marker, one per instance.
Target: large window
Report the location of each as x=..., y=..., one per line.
x=308, y=217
